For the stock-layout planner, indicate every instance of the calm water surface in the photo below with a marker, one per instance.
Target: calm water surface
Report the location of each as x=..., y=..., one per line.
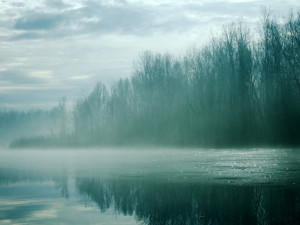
x=150, y=186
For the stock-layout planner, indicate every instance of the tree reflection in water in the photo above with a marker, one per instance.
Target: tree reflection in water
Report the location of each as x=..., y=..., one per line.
x=193, y=203
x=156, y=202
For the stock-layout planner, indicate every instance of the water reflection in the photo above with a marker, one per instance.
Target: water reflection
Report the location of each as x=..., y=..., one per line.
x=153, y=202
x=192, y=203
x=157, y=187
x=49, y=200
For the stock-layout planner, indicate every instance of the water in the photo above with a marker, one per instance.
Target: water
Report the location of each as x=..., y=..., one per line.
x=150, y=186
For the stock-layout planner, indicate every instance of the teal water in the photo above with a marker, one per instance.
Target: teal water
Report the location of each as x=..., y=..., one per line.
x=150, y=186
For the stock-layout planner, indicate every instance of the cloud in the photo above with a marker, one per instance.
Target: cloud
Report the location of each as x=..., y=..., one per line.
x=94, y=17
x=45, y=21
x=58, y=4
x=22, y=77
x=33, y=95
x=26, y=36
x=57, y=18
x=15, y=76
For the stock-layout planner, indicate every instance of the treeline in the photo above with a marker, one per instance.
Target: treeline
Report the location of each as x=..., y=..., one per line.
x=16, y=124
x=36, y=127
x=238, y=90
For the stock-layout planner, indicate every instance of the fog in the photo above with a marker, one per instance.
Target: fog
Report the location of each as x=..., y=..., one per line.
x=206, y=135
x=205, y=166
x=241, y=89
x=153, y=186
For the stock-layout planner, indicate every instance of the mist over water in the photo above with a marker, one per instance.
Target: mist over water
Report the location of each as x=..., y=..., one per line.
x=152, y=186
x=250, y=166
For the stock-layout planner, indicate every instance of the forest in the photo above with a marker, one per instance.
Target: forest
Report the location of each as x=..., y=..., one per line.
x=242, y=88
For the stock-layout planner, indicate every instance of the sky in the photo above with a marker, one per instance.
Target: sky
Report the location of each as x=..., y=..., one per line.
x=55, y=48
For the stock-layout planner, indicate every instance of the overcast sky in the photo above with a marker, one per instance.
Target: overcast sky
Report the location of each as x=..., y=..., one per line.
x=55, y=48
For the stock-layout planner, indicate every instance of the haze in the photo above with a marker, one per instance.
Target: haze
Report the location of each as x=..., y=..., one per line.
x=50, y=49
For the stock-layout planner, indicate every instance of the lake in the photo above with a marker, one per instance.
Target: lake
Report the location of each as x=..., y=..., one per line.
x=150, y=186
